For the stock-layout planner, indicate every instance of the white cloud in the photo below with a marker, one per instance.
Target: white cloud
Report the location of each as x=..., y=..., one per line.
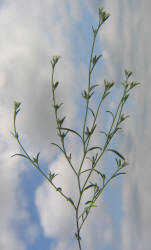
x=94, y=5
x=30, y=33
x=13, y=205
x=57, y=216
x=126, y=41
x=51, y=206
x=36, y=32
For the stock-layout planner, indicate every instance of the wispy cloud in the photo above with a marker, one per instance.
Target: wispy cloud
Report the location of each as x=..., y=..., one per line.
x=30, y=34
x=128, y=44
x=57, y=217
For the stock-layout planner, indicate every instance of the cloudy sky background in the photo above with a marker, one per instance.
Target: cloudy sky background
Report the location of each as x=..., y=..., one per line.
x=32, y=215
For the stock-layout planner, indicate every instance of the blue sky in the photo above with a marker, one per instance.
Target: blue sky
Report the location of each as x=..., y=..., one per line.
x=33, y=216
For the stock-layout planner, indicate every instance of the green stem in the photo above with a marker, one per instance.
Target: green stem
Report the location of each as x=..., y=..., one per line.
x=58, y=127
x=33, y=163
x=89, y=78
x=78, y=230
x=108, y=139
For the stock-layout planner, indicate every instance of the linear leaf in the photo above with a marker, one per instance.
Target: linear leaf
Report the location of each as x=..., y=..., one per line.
x=88, y=202
x=73, y=131
x=71, y=201
x=95, y=59
x=52, y=176
x=128, y=73
x=85, y=94
x=105, y=95
x=17, y=111
x=19, y=155
x=57, y=146
x=99, y=173
x=60, y=121
x=103, y=132
x=133, y=84
x=17, y=105
x=94, y=148
x=92, y=112
x=37, y=158
x=55, y=85
x=110, y=112
x=89, y=186
x=57, y=106
x=116, y=152
x=114, y=175
x=93, y=86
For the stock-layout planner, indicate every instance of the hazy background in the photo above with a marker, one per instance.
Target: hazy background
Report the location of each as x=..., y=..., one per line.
x=32, y=216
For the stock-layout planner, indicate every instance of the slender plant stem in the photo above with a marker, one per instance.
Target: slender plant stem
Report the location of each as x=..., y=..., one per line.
x=84, y=182
x=59, y=130
x=78, y=230
x=89, y=78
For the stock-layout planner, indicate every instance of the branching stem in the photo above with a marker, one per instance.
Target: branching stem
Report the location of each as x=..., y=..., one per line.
x=84, y=183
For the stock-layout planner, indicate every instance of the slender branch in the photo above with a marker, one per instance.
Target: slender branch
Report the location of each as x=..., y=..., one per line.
x=58, y=125
x=89, y=77
x=85, y=137
x=32, y=162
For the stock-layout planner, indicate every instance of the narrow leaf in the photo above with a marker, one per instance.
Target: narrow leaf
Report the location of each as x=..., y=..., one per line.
x=133, y=84
x=89, y=186
x=118, y=161
x=95, y=59
x=98, y=172
x=37, y=158
x=93, y=148
x=56, y=85
x=103, y=132
x=85, y=95
x=57, y=106
x=70, y=200
x=73, y=131
x=92, y=112
x=114, y=175
x=105, y=95
x=19, y=155
x=128, y=73
x=88, y=202
x=16, y=112
x=89, y=96
x=116, y=152
x=122, y=118
x=60, y=121
x=110, y=112
x=57, y=146
x=17, y=105
x=52, y=176
x=93, y=86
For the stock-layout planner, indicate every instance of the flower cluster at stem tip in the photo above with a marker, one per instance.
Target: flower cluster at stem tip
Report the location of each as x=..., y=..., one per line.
x=103, y=15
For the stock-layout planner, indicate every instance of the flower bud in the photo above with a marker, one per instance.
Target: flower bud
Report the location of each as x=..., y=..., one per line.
x=103, y=15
